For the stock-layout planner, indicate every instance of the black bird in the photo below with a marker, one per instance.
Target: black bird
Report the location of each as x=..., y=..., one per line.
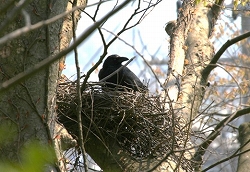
x=124, y=77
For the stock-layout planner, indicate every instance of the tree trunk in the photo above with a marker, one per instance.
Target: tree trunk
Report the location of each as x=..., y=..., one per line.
x=190, y=53
x=29, y=107
x=244, y=137
x=244, y=129
x=245, y=21
x=190, y=41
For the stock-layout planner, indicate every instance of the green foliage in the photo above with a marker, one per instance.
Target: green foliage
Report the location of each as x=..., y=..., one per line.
x=198, y=1
x=8, y=132
x=6, y=166
x=34, y=156
x=203, y=1
x=235, y=2
x=242, y=2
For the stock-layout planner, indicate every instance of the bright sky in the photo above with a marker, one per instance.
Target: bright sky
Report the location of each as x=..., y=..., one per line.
x=151, y=30
x=152, y=33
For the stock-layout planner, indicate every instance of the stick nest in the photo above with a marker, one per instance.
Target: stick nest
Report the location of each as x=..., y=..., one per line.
x=137, y=121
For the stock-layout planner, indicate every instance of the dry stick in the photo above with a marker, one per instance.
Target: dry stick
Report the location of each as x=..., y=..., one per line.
x=230, y=157
x=201, y=149
x=105, y=48
x=117, y=36
x=205, y=73
x=240, y=90
x=238, y=66
x=79, y=95
x=225, y=159
x=11, y=16
x=43, y=64
x=210, y=67
x=28, y=28
x=107, y=45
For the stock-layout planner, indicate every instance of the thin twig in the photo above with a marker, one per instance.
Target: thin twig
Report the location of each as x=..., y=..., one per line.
x=79, y=94
x=210, y=67
x=202, y=147
x=43, y=64
x=150, y=67
x=11, y=15
x=116, y=71
x=235, y=154
x=106, y=45
x=38, y=25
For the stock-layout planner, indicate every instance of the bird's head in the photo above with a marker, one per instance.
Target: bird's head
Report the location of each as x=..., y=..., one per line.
x=114, y=60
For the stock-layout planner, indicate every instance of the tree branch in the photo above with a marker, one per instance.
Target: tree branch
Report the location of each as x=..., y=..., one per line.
x=43, y=64
x=11, y=16
x=210, y=67
x=38, y=25
x=79, y=94
x=203, y=147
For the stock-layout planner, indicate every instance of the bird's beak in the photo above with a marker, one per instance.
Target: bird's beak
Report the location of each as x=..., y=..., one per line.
x=122, y=59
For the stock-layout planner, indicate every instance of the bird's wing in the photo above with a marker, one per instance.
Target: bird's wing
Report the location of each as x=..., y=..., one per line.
x=100, y=74
x=104, y=72
x=130, y=79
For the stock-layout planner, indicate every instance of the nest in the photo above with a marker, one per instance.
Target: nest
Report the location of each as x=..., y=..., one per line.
x=137, y=121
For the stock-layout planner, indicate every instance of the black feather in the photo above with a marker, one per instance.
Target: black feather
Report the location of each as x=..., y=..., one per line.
x=124, y=77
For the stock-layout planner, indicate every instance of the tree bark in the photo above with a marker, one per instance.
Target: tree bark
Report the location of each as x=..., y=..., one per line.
x=244, y=137
x=30, y=107
x=244, y=129
x=190, y=53
x=190, y=42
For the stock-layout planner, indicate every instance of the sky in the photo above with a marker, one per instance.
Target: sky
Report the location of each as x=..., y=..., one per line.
x=147, y=38
x=151, y=31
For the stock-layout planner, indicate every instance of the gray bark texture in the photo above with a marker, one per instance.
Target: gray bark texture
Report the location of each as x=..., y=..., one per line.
x=190, y=52
x=244, y=137
x=28, y=109
x=244, y=129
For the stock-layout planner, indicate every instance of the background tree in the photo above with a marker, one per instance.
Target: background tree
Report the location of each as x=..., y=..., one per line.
x=28, y=107
x=153, y=133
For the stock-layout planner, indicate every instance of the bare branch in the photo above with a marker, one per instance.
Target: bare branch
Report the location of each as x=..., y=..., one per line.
x=203, y=147
x=116, y=71
x=11, y=16
x=210, y=67
x=38, y=25
x=43, y=64
x=150, y=67
x=79, y=94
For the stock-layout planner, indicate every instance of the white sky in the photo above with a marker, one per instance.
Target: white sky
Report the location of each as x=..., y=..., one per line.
x=151, y=30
